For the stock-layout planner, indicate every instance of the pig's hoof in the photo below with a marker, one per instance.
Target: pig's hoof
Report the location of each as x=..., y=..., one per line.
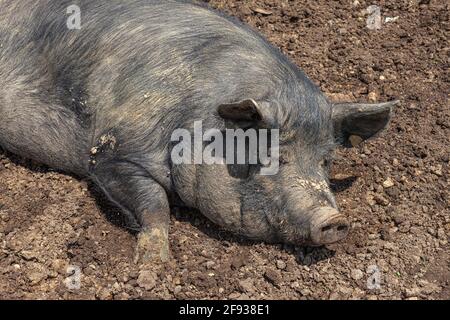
x=152, y=246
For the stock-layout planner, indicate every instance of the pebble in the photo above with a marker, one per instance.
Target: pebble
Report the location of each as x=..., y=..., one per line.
x=388, y=183
x=60, y=266
x=437, y=170
x=234, y=296
x=413, y=292
x=36, y=277
x=373, y=96
x=36, y=273
x=147, y=280
x=281, y=264
x=357, y=274
x=273, y=277
x=177, y=290
x=429, y=287
x=305, y=292
x=441, y=234
x=398, y=218
x=29, y=255
x=381, y=200
x=247, y=285
x=104, y=294
x=373, y=236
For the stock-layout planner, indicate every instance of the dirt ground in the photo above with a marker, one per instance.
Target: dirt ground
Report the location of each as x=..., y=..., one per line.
x=394, y=189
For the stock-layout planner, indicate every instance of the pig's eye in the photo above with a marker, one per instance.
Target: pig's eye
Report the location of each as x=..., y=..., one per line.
x=240, y=171
x=325, y=163
x=283, y=160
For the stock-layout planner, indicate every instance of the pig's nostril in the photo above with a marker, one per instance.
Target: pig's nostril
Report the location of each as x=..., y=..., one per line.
x=328, y=226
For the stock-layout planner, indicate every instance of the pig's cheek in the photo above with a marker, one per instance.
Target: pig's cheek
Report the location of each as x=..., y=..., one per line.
x=184, y=177
x=256, y=226
x=218, y=197
x=224, y=213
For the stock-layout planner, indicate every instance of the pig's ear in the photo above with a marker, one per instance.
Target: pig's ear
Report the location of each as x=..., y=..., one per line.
x=356, y=122
x=247, y=110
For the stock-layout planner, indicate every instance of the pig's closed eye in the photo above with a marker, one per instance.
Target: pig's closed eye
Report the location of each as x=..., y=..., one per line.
x=325, y=163
x=240, y=171
x=283, y=161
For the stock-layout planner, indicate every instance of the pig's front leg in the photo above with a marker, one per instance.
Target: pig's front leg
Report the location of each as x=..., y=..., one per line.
x=138, y=195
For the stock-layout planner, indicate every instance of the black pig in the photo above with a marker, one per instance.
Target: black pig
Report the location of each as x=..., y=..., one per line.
x=102, y=102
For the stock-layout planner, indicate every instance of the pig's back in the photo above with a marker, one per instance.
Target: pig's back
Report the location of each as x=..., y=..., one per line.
x=133, y=64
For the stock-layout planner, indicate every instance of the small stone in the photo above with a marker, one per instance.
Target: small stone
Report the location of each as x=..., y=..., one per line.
x=373, y=96
x=373, y=236
x=116, y=287
x=305, y=292
x=394, y=261
x=239, y=261
x=345, y=290
x=123, y=296
x=357, y=274
x=381, y=200
x=281, y=264
x=388, y=183
x=370, y=199
x=36, y=277
x=334, y=296
x=355, y=140
x=36, y=273
x=210, y=264
x=273, y=277
x=28, y=255
x=413, y=292
x=60, y=266
x=399, y=218
x=262, y=11
x=429, y=287
x=247, y=286
x=386, y=233
x=104, y=294
x=177, y=290
x=441, y=234
x=437, y=170
x=147, y=280
x=182, y=239
x=234, y=296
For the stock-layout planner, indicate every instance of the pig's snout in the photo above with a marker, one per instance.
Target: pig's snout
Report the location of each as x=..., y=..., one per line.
x=327, y=226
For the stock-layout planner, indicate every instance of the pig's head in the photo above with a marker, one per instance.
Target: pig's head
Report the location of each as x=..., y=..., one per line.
x=294, y=205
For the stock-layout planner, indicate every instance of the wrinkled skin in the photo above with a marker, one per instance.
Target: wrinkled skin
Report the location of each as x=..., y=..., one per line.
x=103, y=101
